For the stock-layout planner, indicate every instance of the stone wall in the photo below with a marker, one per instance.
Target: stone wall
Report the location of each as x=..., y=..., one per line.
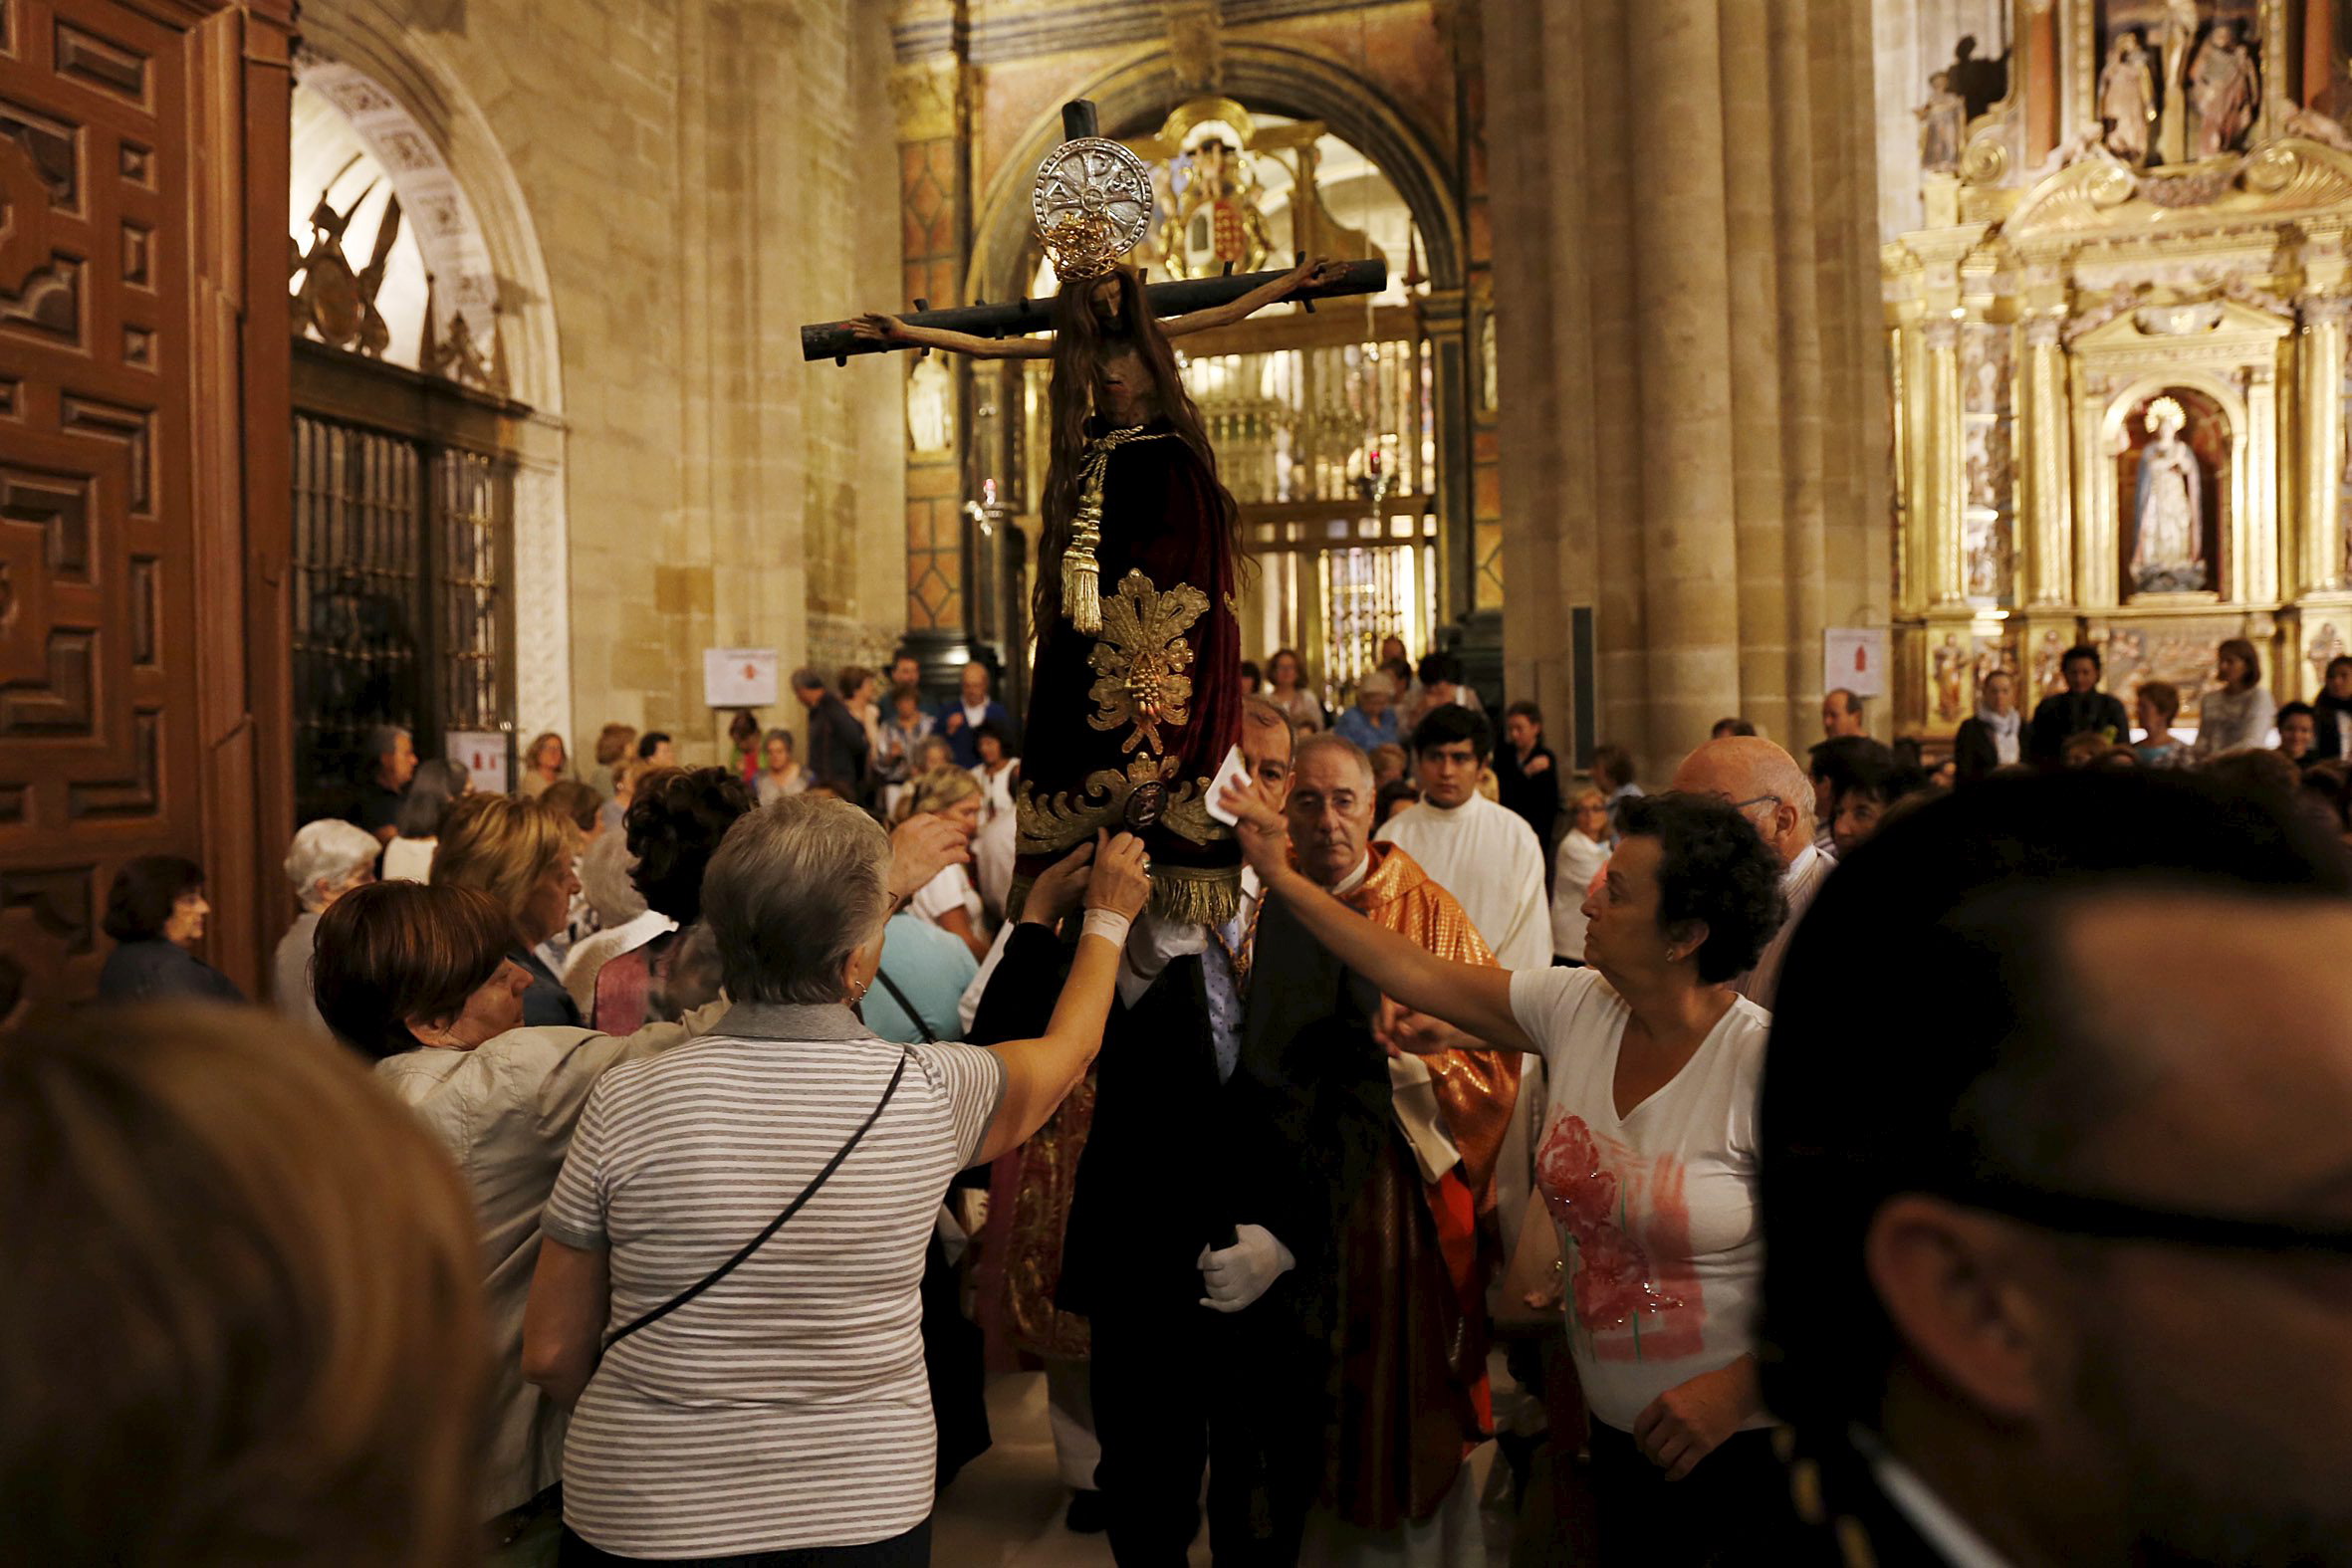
x=700, y=176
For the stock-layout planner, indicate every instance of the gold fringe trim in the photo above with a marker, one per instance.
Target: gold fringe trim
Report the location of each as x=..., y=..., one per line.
x=1196, y=895
x=1187, y=895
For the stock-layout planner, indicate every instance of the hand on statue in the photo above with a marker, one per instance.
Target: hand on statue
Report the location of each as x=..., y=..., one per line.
x=923, y=846
x=1058, y=888
x=1690, y=1421
x=1121, y=877
x=1259, y=825
x=1241, y=1274
x=877, y=328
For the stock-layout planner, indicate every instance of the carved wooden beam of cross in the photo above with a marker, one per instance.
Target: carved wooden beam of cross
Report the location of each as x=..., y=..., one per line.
x=837, y=341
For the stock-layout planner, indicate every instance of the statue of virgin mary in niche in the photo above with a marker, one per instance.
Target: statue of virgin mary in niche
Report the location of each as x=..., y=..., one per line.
x=2168, y=507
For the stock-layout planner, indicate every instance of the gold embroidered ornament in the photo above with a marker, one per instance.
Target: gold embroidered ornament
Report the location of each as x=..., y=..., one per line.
x=1140, y=657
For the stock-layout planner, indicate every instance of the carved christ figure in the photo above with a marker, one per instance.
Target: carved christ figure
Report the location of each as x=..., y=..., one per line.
x=2127, y=100
x=2226, y=91
x=1135, y=693
x=2168, y=507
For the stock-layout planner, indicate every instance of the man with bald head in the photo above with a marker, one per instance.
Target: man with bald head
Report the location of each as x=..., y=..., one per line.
x=1772, y=792
x=2067, y=1278
x=1841, y=714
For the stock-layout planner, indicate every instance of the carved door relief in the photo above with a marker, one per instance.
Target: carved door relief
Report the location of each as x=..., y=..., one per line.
x=141, y=652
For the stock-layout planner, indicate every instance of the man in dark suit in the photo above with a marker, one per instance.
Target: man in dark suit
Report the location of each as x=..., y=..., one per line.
x=1176, y=1171
x=961, y=718
x=2080, y=708
x=836, y=740
x=2063, y=1278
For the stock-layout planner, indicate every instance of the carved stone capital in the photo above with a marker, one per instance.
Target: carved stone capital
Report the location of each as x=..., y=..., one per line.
x=2316, y=310
x=924, y=95
x=1941, y=335
x=2044, y=332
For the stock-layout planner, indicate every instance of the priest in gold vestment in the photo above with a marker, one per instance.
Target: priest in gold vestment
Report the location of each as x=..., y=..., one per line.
x=1399, y=1155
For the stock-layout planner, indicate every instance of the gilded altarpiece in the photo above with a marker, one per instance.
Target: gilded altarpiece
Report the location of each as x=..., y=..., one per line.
x=2121, y=374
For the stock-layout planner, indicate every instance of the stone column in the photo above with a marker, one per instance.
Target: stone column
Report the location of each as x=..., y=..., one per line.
x=1693, y=358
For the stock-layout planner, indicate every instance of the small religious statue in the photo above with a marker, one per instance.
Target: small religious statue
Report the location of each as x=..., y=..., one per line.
x=1943, y=126
x=2226, y=90
x=2180, y=40
x=1135, y=694
x=2168, y=507
x=1952, y=666
x=2127, y=100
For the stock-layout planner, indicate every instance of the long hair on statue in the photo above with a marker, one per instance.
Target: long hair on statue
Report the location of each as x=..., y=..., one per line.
x=1081, y=339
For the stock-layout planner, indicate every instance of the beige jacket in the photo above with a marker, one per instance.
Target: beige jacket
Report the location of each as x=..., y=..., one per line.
x=505, y=1110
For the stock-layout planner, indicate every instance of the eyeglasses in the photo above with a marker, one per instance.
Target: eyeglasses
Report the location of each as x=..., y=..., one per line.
x=2107, y=1218
x=1772, y=800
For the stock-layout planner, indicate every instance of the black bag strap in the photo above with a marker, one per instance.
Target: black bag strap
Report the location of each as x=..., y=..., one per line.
x=775, y=1224
x=906, y=1006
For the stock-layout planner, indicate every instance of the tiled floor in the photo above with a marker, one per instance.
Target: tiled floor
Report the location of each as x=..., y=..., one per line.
x=1005, y=1510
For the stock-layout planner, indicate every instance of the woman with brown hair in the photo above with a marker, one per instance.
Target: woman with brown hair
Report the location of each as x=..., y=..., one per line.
x=1286, y=688
x=156, y=912
x=421, y=979
x=2239, y=711
x=949, y=900
x=240, y=1309
x=543, y=762
x=614, y=741
x=519, y=854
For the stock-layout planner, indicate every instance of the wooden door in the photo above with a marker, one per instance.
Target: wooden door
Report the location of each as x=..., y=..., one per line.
x=143, y=471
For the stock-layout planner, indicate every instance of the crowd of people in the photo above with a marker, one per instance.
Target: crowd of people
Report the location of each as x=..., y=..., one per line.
x=727, y=1121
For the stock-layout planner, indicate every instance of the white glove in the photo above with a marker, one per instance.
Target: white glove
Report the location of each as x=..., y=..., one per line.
x=1244, y=1272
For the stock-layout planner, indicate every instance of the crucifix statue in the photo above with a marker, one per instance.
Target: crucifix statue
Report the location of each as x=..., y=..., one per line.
x=1135, y=695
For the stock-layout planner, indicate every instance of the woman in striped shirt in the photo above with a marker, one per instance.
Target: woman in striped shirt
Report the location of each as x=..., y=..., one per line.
x=784, y=1409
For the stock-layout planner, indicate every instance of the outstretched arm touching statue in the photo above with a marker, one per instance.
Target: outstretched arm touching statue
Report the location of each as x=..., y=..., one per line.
x=1475, y=999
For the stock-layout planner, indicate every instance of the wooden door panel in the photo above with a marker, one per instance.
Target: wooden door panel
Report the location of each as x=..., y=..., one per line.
x=104, y=210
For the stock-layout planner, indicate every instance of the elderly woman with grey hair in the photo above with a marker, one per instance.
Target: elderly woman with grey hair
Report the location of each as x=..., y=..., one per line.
x=794, y=1162
x=327, y=860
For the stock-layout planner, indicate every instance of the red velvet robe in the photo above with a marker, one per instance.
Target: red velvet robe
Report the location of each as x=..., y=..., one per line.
x=1091, y=757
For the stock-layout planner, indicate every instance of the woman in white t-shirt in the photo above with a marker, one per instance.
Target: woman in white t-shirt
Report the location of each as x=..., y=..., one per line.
x=1648, y=1156
x=949, y=900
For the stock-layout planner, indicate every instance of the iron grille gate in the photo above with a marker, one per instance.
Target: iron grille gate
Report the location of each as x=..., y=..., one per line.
x=402, y=557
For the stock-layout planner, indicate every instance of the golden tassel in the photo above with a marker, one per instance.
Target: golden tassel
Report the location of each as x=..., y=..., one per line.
x=1081, y=574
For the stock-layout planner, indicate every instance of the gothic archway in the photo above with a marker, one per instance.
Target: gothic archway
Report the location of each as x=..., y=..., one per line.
x=492, y=231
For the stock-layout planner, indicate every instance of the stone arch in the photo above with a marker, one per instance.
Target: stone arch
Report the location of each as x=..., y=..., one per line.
x=1132, y=99
x=493, y=226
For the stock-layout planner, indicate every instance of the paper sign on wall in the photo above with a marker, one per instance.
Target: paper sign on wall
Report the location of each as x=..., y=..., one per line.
x=738, y=677
x=482, y=754
x=1855, y=657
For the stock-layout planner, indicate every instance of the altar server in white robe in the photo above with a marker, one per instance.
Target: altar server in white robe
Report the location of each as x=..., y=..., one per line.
x=1486, y=856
